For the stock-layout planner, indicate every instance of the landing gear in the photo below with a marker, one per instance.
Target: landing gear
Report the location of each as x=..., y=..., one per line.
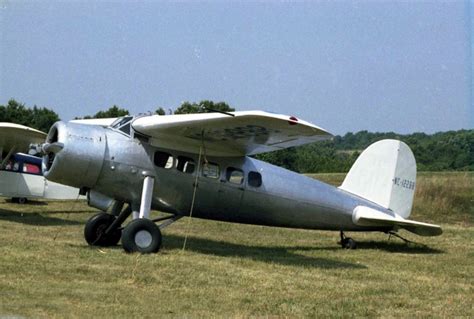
x=141, y=235
x=19, y=200
x=96, y=231
x=347, y=242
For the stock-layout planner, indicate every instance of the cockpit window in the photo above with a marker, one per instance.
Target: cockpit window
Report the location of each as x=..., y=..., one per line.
x=123, y=124
x=121, y=121
x=125, y=128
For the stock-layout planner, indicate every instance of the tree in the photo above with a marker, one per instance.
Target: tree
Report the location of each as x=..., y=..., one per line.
x=204, y=106
x=160, y=111
x=39, y=118
x=113, y=111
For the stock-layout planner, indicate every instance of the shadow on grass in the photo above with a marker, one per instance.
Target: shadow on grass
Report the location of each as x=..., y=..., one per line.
x=34, y=219
x=399, y=247
x=29, y=202
x=272, y=254
x=388, y=246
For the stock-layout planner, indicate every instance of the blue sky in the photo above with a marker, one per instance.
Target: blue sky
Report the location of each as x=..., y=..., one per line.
x=345, y=66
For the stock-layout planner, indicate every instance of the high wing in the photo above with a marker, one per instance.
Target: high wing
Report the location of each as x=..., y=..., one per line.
x=17, y=138
x=365, y=216
x=100, y=122
x=238, y=134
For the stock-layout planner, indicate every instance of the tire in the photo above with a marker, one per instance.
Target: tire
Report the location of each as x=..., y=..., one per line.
x=95, y=228
x=141, y=235
x=22, y=200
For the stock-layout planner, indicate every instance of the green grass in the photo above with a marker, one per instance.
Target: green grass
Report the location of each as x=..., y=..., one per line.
x=231, y=270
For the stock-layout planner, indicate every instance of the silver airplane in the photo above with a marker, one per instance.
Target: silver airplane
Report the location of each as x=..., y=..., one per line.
x=200, y=165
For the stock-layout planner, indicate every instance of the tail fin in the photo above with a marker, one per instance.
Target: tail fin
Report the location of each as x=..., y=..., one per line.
x=385, y=173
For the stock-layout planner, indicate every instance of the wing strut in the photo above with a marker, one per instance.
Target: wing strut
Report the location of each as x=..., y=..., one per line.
x=195, y=189
x=7, y=158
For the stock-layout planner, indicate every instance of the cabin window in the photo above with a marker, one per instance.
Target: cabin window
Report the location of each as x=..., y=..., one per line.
x=255, y=179
x=31, y=168
x=210, y=170
x=235, y=175
x=162, y=159
x=185, y=164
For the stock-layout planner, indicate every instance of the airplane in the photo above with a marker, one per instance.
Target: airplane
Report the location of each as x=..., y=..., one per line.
x=201, y=165
x=20, y=173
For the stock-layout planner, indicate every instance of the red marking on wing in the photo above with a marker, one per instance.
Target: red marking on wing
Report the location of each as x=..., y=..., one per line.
x=293, y=120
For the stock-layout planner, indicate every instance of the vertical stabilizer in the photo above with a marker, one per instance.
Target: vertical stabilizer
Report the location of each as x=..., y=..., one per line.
x=385, y=173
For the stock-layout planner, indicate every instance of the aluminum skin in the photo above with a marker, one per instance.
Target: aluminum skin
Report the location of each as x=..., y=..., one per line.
x=114, y=164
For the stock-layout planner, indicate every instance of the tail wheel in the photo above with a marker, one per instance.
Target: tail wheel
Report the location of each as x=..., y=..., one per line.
x=94, y=231
x=141, y=235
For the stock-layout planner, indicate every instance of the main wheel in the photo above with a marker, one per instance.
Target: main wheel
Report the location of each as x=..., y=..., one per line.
x=141, y=235
x=94, y=231
x=22, y=200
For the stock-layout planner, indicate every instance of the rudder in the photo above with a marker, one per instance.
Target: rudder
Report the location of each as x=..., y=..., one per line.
x=385, y=173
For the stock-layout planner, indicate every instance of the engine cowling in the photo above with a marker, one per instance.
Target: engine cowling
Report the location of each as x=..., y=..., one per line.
x=74, y=154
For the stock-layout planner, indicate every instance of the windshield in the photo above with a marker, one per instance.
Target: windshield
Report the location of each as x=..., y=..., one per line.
x=121, y=121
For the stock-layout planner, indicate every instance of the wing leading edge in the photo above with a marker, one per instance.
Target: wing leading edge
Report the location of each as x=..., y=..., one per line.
x=244, y=133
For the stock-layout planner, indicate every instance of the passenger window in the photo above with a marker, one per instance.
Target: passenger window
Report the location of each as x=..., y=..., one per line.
x=185, y=164
x=235, y=175
x=255, y=179
x=162, y=159
x=210, y=170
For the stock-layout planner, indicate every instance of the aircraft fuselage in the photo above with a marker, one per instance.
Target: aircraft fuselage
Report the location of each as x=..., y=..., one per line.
x=283, y=198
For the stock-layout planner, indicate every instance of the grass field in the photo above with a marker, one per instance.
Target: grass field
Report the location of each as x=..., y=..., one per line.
x=231, y=270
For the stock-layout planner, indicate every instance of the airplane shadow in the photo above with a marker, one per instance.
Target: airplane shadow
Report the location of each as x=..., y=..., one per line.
x=399, y=247
x=273, y=254
x=36, y=219
x=29, y=202
x=388, y=246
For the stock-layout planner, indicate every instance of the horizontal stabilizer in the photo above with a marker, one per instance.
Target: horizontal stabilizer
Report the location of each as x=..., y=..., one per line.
x=365, y=216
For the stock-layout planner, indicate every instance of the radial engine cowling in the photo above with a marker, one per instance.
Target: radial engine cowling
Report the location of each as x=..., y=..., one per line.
x=74, y=154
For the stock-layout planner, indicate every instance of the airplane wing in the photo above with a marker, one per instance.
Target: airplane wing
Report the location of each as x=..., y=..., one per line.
x=238, y=134
x=100, y=122
x=18, y=137
x=365, y=216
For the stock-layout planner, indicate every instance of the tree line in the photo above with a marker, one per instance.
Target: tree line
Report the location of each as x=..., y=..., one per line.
x=443, y=151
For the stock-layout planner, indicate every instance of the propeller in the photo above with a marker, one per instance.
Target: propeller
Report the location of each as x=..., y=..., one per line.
x=55, y=147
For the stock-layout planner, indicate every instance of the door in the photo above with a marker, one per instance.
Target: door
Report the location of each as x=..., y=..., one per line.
x=230, y=194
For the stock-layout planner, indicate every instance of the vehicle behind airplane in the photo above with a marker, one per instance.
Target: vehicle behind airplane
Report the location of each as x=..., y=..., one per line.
x=22, y=179
x=21, y=176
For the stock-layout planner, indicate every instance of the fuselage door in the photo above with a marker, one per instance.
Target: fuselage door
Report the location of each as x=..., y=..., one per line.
x=230, y=193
